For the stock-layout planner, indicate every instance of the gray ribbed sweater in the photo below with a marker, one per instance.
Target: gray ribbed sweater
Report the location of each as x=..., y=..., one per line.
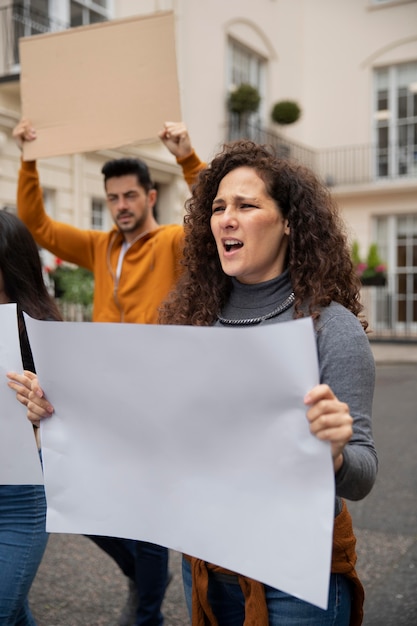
x=346, y=364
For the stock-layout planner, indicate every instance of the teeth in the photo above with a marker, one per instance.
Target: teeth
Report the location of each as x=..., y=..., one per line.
x=229, y=243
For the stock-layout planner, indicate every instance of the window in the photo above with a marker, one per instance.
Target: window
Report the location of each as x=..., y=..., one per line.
x=97, y=214
x=87, y=12
x=406, y=280
x=30, y=17
x=395, y=120
x=397, y=242
x=245, y=66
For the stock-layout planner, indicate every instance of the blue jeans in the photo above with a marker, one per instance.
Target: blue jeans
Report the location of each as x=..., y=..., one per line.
x=227, y=602
x=22, y=543
x=146, y=564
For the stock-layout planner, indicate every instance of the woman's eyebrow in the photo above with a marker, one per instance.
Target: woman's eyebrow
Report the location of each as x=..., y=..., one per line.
x=237, y=198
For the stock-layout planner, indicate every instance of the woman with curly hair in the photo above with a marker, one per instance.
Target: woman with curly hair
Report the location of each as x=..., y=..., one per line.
x=264, y=244
x=22, y=507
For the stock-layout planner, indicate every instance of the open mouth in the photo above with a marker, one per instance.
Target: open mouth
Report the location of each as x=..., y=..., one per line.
x=232, y=244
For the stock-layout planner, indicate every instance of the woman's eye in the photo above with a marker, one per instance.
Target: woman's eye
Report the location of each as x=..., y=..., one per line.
x=216, y=209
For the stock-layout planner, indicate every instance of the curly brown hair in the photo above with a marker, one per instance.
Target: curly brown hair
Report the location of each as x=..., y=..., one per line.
x=318, y=259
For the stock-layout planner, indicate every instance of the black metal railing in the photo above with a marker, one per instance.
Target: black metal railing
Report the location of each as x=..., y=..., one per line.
x=391, y=314
x=239, y=128
x=18, y=21
x=353, y=165
x=346, y=165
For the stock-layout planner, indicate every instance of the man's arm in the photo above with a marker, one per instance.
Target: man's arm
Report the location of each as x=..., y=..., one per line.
x=176, y=138
x=66, y=242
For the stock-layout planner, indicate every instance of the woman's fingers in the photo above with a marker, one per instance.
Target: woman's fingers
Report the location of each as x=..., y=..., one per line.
x=38, y=408
x=21, y=384
x=329, y=418
x=30, y=394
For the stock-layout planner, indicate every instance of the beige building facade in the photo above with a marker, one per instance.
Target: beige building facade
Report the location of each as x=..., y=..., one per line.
x=350, y=65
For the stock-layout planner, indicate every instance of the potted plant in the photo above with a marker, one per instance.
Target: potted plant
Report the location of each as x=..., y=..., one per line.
x=244, y=99
x=285, y=112
x=372, y=272
x=72, y=284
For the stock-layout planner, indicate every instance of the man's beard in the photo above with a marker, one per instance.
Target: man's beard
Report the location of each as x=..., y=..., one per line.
x=129, y=228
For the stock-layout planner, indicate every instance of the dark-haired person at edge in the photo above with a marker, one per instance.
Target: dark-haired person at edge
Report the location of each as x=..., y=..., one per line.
x=264, y=244
x=135, y=265
x=23, y=537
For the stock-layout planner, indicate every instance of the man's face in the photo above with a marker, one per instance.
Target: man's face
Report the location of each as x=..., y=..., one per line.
x=130, y=205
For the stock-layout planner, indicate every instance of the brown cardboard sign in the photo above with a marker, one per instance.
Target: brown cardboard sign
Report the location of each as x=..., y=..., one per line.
x=101, y=86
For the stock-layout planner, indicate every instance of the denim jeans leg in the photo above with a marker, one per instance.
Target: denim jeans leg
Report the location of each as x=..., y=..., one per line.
x=151, y=582
x=187, y=583
x=227, y=603
x=23, y=541
x=123, y=551
x=286, y=610
x=146, y=564
x=225, y=599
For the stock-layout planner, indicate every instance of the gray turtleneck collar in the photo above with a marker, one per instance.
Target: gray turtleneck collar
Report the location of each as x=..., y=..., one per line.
x=247, y=301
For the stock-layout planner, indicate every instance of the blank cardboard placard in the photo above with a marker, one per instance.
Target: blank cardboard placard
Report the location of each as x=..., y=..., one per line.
x=101, y=86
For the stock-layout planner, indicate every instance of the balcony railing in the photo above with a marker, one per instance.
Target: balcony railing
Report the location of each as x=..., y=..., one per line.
x=19, y=21
x=348, y=165
x=239, y=128
x=391, y=315
x=353, y=165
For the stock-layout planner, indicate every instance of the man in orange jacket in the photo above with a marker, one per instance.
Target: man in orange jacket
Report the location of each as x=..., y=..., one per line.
x=135, y=265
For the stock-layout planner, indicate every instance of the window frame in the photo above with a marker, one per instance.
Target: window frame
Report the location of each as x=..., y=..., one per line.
x=97, y=214
x=254, y=74
x=395, y=133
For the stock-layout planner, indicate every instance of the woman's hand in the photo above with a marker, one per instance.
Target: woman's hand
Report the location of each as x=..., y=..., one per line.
x=29, y=393
x=330, y=420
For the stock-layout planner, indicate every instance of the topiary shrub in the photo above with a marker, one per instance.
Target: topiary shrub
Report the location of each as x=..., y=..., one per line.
x=244, y=99
x=285, y=112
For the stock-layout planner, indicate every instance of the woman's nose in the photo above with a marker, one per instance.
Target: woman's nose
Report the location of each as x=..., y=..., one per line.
x=228, y=218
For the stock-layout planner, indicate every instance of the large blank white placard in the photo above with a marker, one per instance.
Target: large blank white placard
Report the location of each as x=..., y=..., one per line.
x=19, y=457
x=192, y=438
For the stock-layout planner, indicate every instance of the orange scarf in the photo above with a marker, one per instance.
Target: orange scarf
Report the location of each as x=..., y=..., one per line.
x=256, y=611
x=344, y=561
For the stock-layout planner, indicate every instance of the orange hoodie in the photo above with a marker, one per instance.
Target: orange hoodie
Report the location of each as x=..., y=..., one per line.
x=150, y=265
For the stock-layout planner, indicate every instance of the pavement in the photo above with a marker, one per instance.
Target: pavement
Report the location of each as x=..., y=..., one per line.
x=394, y=352
x=79, y=585
x=385, y=522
